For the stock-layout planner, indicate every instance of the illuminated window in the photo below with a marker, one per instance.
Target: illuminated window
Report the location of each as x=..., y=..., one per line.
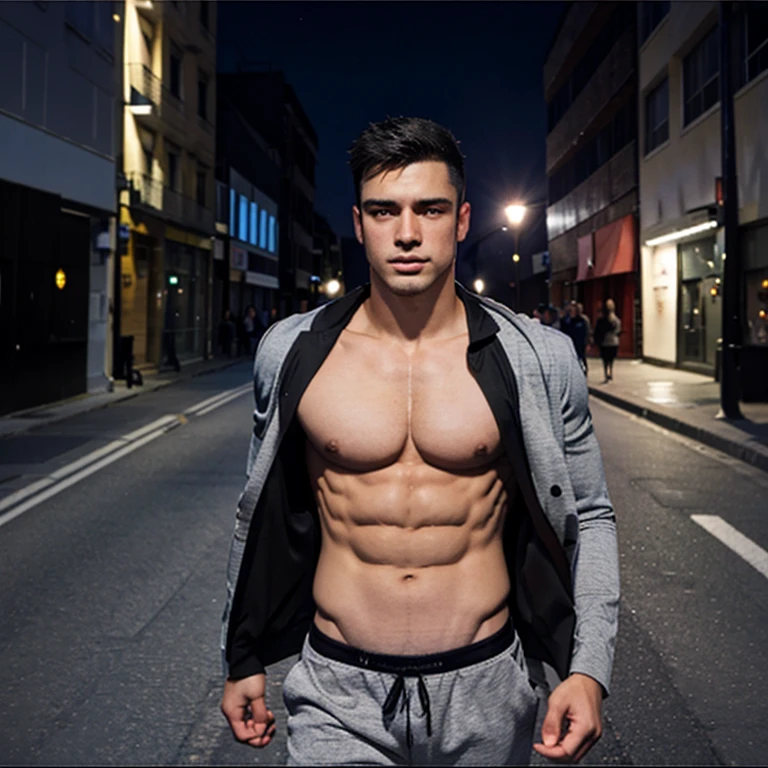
x=232, y=212
x=272, y=245
x=263, y=230
x=254, y=215
x=242, y=230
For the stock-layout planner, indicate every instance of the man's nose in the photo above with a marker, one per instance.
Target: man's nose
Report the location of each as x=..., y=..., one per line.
x=408, y=234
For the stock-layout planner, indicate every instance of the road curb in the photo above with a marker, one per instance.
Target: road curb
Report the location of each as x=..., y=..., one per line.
x=733, y=448
x=129, y=394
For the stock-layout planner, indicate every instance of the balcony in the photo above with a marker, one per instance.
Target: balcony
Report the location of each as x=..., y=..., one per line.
x=151, y=102
x=150, y=193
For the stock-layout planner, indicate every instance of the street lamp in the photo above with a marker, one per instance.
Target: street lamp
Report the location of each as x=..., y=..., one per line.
x=515, y=214
x=332, y=287
x=479, y=285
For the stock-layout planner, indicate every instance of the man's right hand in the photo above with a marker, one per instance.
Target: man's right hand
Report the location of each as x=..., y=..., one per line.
x=245, y=707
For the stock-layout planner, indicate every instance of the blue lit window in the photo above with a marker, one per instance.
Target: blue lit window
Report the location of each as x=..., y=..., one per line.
x=232, y=212
x=254, y=214
x=263, y=230
x=242, y=231
x=272, y=247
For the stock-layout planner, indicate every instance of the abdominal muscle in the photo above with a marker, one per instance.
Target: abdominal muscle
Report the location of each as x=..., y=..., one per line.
x=412, y=560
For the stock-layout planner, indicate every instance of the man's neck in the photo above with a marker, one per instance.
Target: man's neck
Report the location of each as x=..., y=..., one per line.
x=437, y=313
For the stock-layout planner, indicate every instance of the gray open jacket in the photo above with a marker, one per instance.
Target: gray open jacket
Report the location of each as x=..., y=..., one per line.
x=560, y=535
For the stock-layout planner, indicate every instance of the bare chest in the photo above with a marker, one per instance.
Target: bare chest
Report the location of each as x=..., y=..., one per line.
x=371, y=405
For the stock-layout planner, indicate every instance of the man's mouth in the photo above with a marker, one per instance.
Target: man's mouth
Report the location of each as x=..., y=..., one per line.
x=408, y=265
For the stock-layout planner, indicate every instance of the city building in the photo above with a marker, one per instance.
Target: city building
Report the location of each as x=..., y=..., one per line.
x=269, y=104
x=327, y=279
x=590, y=87
x=167, y=206
x=59, y=107
x=246, y=264
x=682, y=241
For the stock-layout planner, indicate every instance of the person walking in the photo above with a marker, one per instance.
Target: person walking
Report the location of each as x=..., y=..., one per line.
x=579, y=331
x=421, y=560
x=607, y=332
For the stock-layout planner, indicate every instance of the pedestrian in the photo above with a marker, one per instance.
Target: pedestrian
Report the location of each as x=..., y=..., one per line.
x=226, y=333
x=579, y=331
x=551, y=317
x=253, y=329
x=420, y=556
x=607, y=332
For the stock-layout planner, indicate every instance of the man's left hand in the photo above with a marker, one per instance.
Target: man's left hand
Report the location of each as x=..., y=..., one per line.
x=574, y=720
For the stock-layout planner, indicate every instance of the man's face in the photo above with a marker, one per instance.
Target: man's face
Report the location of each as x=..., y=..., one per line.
x=410, y=221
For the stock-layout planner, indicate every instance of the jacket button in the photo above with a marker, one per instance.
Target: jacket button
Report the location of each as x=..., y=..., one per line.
x=556, y=491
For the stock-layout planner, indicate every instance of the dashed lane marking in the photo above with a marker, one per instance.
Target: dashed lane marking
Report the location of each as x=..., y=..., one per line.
x=736, y=541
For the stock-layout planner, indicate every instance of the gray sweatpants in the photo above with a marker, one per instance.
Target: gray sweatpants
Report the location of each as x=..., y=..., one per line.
x=344, y=713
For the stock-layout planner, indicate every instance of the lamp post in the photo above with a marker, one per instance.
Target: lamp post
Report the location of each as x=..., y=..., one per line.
x=515, y=215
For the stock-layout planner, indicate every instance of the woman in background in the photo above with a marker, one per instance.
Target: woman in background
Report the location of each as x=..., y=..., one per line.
x=607, y=333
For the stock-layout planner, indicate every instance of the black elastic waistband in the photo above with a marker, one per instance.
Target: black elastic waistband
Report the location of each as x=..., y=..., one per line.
x=446, y=661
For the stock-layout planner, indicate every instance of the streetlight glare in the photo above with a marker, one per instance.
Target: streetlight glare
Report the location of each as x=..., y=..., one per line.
x=515, y=213
x=515, y=257
x=332, y=287
x=479, y=285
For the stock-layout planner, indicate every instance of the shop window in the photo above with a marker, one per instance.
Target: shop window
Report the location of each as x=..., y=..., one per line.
x=701, y=78
x=657, y=116
x=254, y=221
x=756, y=283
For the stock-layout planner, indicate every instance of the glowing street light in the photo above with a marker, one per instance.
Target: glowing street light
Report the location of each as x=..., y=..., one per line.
x=515, y=214
x=479, y=285
x=515, y=257
x=332, y=287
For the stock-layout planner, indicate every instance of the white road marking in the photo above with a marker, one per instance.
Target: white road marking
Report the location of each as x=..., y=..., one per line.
x=72, y=473
x=744, y=547
x=78, y=476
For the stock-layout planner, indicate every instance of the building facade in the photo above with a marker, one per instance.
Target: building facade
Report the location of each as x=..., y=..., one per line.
x=590, y=86
x=269, y=104
x=682, y=241
x=246, y=263
x=167, y=206
x=59, y=105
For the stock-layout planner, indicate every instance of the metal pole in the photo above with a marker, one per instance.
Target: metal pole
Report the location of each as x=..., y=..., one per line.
x=731, y=329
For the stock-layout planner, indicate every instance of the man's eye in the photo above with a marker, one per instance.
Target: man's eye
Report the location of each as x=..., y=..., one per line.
x=381, y=213
x=433, y=211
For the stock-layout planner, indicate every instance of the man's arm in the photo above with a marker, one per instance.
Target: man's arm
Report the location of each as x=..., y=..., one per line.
x=573, y=721
x=244, y=705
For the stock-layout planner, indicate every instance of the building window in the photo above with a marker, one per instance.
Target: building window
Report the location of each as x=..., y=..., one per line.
x=175, y=79
x=651, y=15
x=754, y=41
x=232, y=212
x=202, y=96
x=205, y=15
x=254, y=227
x=173, y=170
x=657, y=116
x=201, y=179
x=701, y=78
x=242, y=230
x=263, y=230
x=272, y=245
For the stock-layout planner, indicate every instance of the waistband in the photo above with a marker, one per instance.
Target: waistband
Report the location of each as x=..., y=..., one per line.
x=413, y=666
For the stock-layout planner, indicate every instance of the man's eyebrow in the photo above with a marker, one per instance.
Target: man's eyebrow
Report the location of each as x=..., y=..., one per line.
x=434, y=201
x=374, y=203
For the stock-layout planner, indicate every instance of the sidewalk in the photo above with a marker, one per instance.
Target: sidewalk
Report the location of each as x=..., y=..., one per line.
x=686, y=403
x=22, y=421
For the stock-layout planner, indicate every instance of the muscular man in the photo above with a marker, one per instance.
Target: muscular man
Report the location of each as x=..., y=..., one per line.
x=422, y=474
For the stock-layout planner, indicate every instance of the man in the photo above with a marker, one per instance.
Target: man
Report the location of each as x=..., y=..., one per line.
x=423, y=472
x=579, y=330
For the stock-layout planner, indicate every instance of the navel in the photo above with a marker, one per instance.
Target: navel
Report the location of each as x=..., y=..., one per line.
x=332, y=446
x=408, y=577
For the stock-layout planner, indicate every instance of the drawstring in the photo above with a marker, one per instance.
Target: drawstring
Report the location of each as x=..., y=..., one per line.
x=397, y=692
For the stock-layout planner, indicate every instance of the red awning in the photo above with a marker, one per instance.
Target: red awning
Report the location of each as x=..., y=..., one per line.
x=615, y=248
x=586, y=260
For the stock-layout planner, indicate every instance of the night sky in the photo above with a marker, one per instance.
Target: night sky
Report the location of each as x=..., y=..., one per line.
x=475, y=67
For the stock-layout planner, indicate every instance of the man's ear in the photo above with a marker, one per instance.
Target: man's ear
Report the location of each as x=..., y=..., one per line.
x=357, y=220
x=462, y=222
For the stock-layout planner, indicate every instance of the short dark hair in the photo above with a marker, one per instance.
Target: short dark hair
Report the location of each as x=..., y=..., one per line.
x=399, y=141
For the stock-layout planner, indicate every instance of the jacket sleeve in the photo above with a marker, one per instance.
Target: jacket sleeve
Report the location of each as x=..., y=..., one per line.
x=595, y=565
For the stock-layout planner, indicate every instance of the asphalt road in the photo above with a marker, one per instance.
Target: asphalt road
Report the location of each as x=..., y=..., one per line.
x=112, y=592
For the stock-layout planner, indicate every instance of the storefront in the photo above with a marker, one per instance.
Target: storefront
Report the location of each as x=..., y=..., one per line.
x=607, y=270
